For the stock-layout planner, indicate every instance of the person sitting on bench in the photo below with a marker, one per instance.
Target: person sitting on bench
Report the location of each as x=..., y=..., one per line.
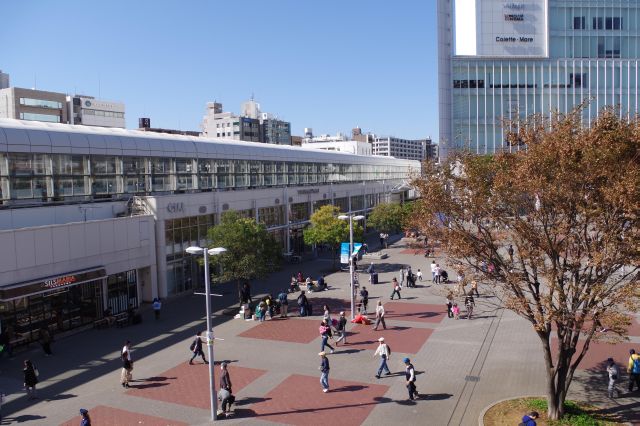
x=108, y=315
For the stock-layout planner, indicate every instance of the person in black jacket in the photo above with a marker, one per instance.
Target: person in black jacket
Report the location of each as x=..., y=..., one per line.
x=303, y=303
x=30, y=379
x=196, y=347
x=225, y=379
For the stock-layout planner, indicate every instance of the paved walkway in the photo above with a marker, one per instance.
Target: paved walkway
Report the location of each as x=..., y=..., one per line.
x=463, y=365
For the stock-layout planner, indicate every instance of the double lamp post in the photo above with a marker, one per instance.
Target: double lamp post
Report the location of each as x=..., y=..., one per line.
x=209, y=252
x=351, y=218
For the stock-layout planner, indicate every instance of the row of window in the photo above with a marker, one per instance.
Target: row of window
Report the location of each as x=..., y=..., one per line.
x=100, y=113
x=40, y=117
x=40, y=103
x=43, y=176
x=598, y=23
x=575, y=80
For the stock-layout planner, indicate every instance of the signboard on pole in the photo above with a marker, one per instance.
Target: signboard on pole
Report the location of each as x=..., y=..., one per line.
x=344, y=251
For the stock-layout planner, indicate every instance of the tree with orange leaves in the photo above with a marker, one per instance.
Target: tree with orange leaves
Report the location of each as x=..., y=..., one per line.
x=567, y=200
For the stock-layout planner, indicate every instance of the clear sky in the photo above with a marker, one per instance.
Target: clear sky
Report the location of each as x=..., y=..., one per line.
x=330, y=65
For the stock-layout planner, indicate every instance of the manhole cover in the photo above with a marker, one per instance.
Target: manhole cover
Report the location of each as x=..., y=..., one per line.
x=472, y=378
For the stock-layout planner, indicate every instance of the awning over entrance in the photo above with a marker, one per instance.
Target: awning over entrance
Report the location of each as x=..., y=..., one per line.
x=43, y=285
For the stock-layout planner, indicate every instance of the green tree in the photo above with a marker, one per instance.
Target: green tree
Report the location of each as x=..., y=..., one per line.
x=568, y=205
x=387, y=218
x=251, y=251
x=326, y=228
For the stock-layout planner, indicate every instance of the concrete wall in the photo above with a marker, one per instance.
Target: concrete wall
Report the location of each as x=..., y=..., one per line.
x=118, y=245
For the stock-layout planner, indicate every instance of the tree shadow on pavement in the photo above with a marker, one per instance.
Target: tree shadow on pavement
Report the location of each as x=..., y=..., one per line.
x=594, y=382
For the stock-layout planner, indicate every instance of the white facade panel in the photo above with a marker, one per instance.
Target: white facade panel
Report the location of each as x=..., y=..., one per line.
x=44, y=246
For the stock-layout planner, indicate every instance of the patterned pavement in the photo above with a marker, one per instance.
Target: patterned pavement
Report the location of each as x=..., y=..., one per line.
x=299, y=400
x=109, y=416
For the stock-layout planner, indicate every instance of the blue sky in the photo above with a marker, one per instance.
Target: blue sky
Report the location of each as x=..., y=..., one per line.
x=330, y=65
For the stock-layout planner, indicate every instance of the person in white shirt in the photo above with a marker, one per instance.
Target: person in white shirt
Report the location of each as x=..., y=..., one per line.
x=380, y=316
x=419, y=275
x=157, y=305
x=127, y=365
x=385, y=353
x=433, y=271
x=437, y=272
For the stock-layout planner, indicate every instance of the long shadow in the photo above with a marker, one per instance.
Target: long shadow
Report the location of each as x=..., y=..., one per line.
x=22, y=419
x=61, y=397
x=435, y=396
x=377, y=400
x=148, y=385
x=250, y=400
x=347, y=351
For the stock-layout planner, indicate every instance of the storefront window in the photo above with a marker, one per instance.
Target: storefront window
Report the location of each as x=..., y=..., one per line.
x=271, y=216
x=357, y=203
x=122, y=291
x=342, y=204
x=299, y=212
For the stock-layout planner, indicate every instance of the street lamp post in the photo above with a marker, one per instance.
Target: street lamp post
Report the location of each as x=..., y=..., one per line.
x=351, y=218
x=207, y=288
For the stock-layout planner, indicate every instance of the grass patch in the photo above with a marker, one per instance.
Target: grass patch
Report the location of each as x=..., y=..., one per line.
x=509, y=413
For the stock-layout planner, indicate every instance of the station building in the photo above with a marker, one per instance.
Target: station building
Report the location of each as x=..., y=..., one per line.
x=94, y=217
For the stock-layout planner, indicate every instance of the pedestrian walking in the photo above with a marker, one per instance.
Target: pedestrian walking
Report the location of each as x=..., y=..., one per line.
x=469, y=304
x=456, y=311
x=382, y=240
x=433, y=271
x=85, y=420
x=127, y=368
x=437, y=273
x=450, y=305
x=410, y=376
x=385, y=353
x=31, y=374
x=284, y=303
x=380, y=316
x=341, y=329
x=364, y=299
x=127, y=365
x=157, y=305
x=396, y=288
x=326, y=315
x=510, y=251
x=324, y=371
x=612, y=372
x=45, y=340
x=403, y=273
x=325, y=333
x=419, y=275
x=196, y=348
x=634, y=370
x=225, y=379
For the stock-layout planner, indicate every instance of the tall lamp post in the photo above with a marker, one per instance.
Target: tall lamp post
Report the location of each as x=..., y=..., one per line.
x=209, y=252
x=351, y=218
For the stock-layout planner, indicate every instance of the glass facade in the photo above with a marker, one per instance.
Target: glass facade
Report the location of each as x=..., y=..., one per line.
x=593, y=56
x=40, y=117
x=60, y=176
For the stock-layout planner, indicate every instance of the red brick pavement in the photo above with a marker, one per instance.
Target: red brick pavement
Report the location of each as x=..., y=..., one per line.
x=285, y=330
x=187, y=384
x=109, y=416
x=404, y=340
x=403, y=311
x=299, y=400
x=599, y=352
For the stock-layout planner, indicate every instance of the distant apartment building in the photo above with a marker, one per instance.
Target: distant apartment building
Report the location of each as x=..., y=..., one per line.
x=338, y=143
x=409, y=149
x=4, y=80
x=33, y=105
x=89, y=111
x=252, y=125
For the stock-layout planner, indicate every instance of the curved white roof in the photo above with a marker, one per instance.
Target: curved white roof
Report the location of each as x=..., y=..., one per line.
x=54, y=138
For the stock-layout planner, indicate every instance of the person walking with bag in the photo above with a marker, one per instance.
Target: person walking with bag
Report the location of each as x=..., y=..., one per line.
x=341, y=328
x=396, y=288
x=634, y=370
x=31, y=374
x=196, y=348
x=380, y=316
x=127, y=365
x=364, y=299
x=325, y=333
x=385, y=353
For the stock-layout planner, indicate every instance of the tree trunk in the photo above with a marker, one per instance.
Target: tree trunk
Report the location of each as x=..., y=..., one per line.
x=555, y=382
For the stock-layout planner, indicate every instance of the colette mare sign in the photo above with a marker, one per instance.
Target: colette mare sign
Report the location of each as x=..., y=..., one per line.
x=60, y=281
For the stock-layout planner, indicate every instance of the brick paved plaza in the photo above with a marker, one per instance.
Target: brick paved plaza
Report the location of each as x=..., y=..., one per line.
x=463, y=365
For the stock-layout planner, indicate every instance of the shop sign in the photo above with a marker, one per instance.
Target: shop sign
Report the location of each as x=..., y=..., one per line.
x=50, y=284
x=308, y=191
x=175, y=207
x=60, y=281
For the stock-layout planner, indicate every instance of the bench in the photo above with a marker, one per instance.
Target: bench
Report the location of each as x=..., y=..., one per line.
x=122, y=319
x=100, y=323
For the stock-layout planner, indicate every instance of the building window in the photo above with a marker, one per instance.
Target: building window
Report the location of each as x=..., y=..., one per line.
x=39, y=117
x=598, y=23
x=40, y=103
x=578, y=23
x=614, y=23
x=579, y=80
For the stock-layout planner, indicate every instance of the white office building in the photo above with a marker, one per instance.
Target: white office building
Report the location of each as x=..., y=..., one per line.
x=89, y=111
x=512, y=58
x=409, y=149
x=93, y=217
x=348, y=146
